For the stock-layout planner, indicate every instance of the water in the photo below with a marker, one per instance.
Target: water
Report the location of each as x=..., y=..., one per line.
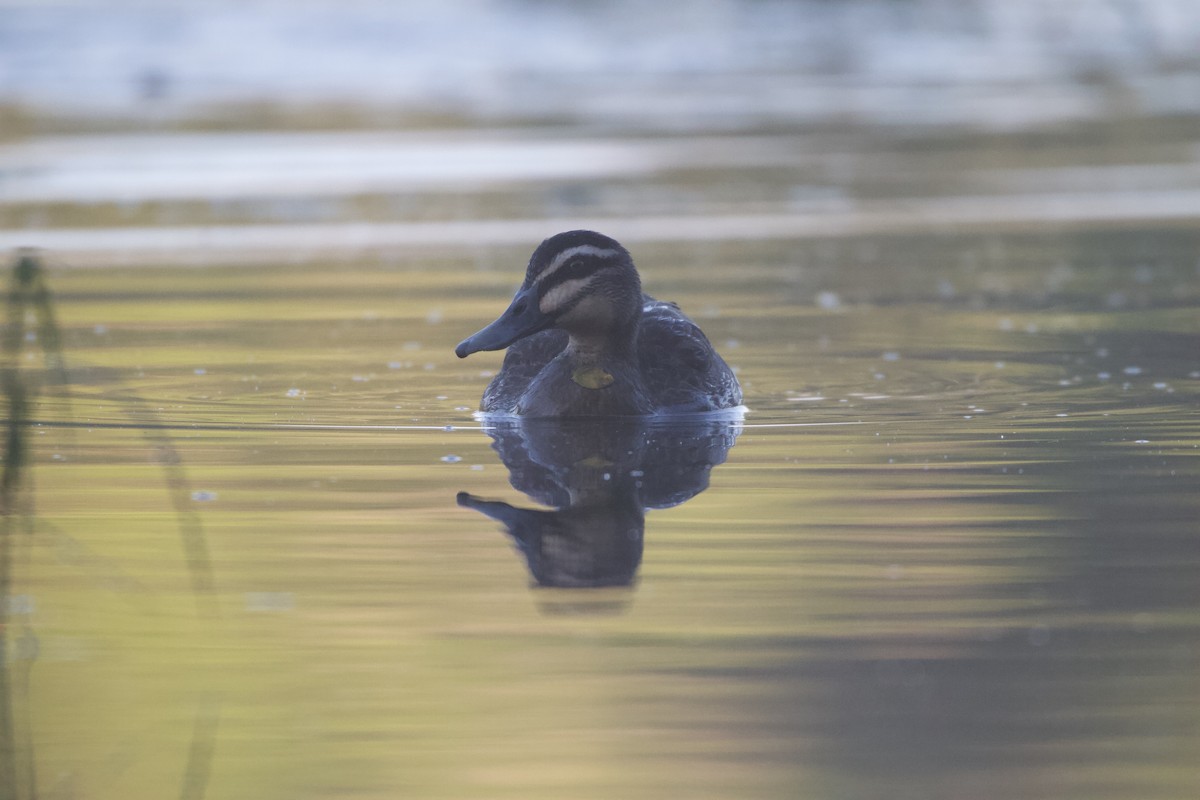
x=257, y=543
x=951, y=550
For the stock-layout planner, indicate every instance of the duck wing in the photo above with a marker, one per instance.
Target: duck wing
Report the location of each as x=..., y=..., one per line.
x=681, y=369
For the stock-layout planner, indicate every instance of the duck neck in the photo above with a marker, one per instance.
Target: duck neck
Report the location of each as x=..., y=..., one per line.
x=599, y=349
x=605, y=337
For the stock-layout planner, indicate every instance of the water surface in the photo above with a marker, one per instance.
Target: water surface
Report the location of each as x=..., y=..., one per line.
x=951, y=551
x=257, y=543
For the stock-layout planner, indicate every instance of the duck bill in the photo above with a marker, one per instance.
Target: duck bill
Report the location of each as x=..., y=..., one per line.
x=522, y=318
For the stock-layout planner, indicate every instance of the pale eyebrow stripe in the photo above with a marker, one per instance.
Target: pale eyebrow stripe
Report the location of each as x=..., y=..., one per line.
x=566, y=255
x=557, y=295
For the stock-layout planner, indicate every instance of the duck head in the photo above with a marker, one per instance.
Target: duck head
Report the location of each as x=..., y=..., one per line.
x=581, y=282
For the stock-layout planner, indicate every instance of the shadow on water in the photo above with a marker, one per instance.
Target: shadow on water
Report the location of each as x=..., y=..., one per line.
x=599, y=480
x=30, y=318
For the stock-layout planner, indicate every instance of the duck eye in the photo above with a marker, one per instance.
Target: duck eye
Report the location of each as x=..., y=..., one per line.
x=518, y=307
x=577, y=264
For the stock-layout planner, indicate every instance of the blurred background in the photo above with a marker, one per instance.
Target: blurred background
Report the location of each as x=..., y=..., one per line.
x=951, y=247
x=141, y=113
x=704, y=64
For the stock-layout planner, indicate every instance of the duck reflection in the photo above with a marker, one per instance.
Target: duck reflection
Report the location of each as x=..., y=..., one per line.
x=599, y=478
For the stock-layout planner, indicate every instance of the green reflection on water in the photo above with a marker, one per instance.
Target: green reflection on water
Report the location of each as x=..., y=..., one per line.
x=953, y=552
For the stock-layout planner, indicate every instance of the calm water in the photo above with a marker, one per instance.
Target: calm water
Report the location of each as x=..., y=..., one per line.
x=261, y=547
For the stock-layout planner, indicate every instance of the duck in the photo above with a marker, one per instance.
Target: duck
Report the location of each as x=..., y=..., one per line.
x=584, y=340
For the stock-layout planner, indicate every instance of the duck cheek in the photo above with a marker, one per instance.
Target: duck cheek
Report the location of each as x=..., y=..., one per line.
x=591, y=315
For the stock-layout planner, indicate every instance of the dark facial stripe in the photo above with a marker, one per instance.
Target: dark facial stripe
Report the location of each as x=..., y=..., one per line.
x=567, y=256
x=564, y=294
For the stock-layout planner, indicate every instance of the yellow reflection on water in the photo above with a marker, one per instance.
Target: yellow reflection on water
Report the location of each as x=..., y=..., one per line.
x=951, y=549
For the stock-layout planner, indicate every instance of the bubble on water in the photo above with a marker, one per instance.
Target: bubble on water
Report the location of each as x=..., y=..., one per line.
x=1101, y=352
x=360, y=378
x=451, y=459
x=890, y=356
x=1031, y=327
x=200, y=371
x=830, y=301
x=606, y=476
x=434, y=316
x=442, y=397
x=203, y=496
x=1103, y=375
x=636, y=473
x=447, y=427
x=1141, y=441
x=412, y=346
x=1006, y=324
x=295, y=393
x=100, y=330
x=1132, y=370
x=1061, y=415
x=879, y=376
x=399, y=364
x=1000, y=365
x=945, y=289
x=462, y=408
x=477, y=467
x=1160, y=385
x=429, y=367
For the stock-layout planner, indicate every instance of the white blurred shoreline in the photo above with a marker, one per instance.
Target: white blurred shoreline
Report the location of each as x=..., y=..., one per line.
x=209, y=245
x=995, y=64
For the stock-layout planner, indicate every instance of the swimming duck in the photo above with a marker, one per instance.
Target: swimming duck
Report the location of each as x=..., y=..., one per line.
x=583, y=340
